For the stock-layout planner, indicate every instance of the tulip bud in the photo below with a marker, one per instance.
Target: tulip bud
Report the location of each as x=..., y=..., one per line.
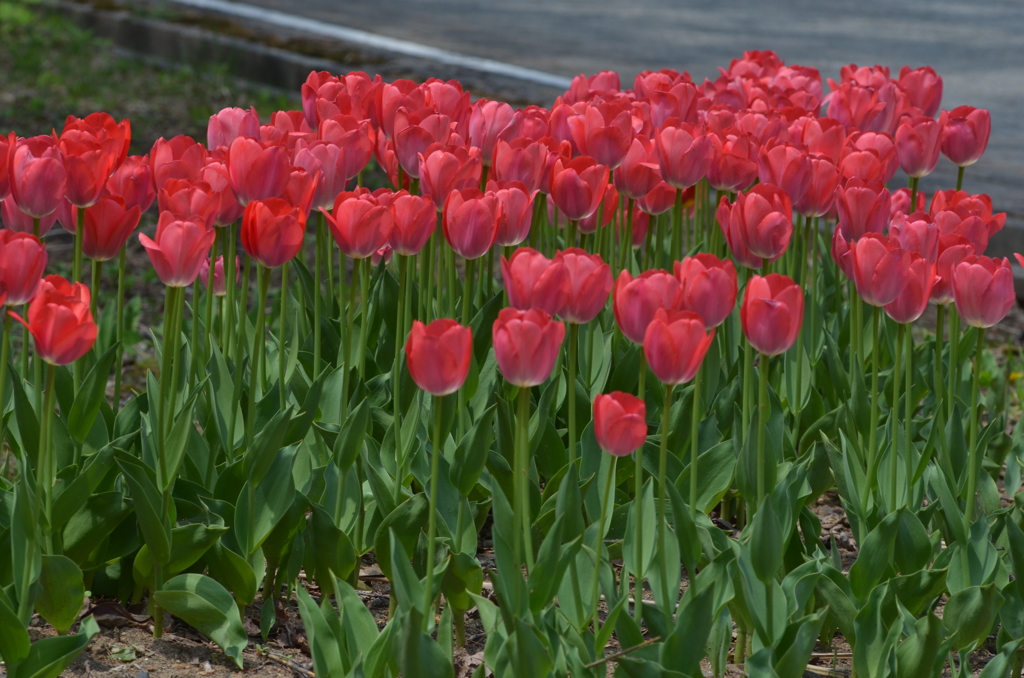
x=60, y=321
x=37, y=175
x=515, y=213
x=953, y=249
x=590, y=282
x=230, y=123
x=22, y=263
x=983, y=289
x=534, y=281
x=273, y=231
x=107, y=226
x=758, y=225
x=470, y=222
x=636, y=300
x=675, y=345
x=879, y=268
x=179, y=158
x=220, y=287
x=577, y=186
x=439, y=355
x=707, y=286
x=179, y=249
x=910, y=304
x=526, y=345
x=786, y=166
x=863, y=207
x=772, y=313
x=965, y=136
x=917, y=144
x=684, y=153
x=620, y=423
x=414, y=223
x=258, y=171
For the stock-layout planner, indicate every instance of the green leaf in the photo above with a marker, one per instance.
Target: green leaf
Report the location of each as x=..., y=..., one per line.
x=970, y=614
x=268, y=442
x=471, y=453
x=91, y=394
x=188, y=544
x=407, y=586
x=332, y=549
x=259, y=509
x=323, y=644
x=177, y=440
x=766, y=542
x=50, y=656
x=915, y=549
x=875, y=556
x=87, y=528
x=62, y=591
x=233, y=571
x=156, y=530
x=350, y=437
x=685, y=647
x=206, y=606
x=419, y=656
x=921, y=655
x=14, y=640
x=408, y=522
x=798, y=643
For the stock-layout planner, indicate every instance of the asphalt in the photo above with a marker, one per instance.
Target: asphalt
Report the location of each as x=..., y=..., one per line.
x=976, y=46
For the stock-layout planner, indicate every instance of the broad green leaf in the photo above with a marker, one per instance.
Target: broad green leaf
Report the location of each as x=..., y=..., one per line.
x=50, y=656
x=268, y=442
x=62, y=591
x=970, y=614
x=91, y=394
x=323, y=644
x=206, y=606
x=148, y=502
x=684, y=648
x=471, y=453
x=350, y=437
x=14, y=640
x=188, y=544
x=87, y=528
x=766, y=542
x=875, y=556
x=419, y=656
x=233, y=571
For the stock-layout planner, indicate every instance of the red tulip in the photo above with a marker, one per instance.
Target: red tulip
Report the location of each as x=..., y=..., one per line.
x=675, y=345
x=273, y=231
x=900, y=202
x=414, y=223
x=360, y=224
x=470, y=222
x=414, y=132
x=953, y=249
x=526, y=344
x=620, y=423
x=841, y=253
x=257, y=171
x=325, y=162
x=923, y=88
x=584, y=88
x=89, y=161
x=758, y=225
x=604, y=132
x=16, y=220
x=60, y=321
x=534, y=281
x=971, y=227
x=179, y=158
x=189, y=199
x=965, y=136
x=6, y=143
x=37, y=175
x=439, y=355
x=22, y=262
x=301, y=189
x=636, y=300
x=917, y=144
x=661, y=199
x=227, y=209
x=824, y=136
x=916, y=233
x=444, y=169
x=220, y=285
x=733, y=167
x=287, y=129
x=230, y=123
x=577, y=186
x=707, y=286
x=684, y=153
x=490, y=122
x=821, y=192
x=102, y=126
x=180, y=247
x=879, y=268
x=607, y=210
x=133, y=182
x=865, y=108
x=983, y=289
x=394, y=95
x=521, y=159
x=861, y=165
x=913, y=300
x=355, y=140
x=772, y=313
x=639, y=171
x=516, y=211
x=590, y=282
x=785, y=165
x=107, y=226
x=882, y=148
x=863, y=207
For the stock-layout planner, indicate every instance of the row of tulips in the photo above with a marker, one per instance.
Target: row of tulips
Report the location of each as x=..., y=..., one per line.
x=395, y=401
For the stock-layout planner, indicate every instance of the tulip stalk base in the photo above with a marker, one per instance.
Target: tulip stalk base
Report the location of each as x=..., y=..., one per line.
x=435, y=455
x=662, y=495
x=599, y=540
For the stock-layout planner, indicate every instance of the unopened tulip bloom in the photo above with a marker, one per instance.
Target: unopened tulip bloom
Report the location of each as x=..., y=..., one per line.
x=355, y=139
x=913, y=300
x=983, y=289
x=414, y=132
x=863, y=207
x=521, y=159
x=88, y=162
x=923, y=87
x=772, y=313
x=16, y=220
x=439, y=355
x=102, y=126
x=733, y=167
x=684, y=153
x=900, y=202
x=230, y=123
x=37, y=175
x=965, y=136
x=360, y=224
x=636, y=300
x=179, y=249
x=257, y=171
x=590, y=282
x=301, y=188
x=414, y=222
x=758, y=225
x=60, y=321
x=444, y=169
x=534, y=281
x=675, y=345
x=526, y=344
x=226, y=208
x=189, y=199
x=272, y=231
x=219, y=281
x=22, y=262
x=661, y=199
x=707, y=286
x=603, y=132
x=107, y=226
x=953, y=249
x=917, y=144
x=516, y=211
x=639, y=171
x=880, y=268
x=470, y=222
x=178, y=158
x=489, y=122
x=133, y=182
x=786, y=166
x=577, y=186
x=916, y=233
x=824, y=136
x=820, y=196
x=620, y=423
x=6, y=142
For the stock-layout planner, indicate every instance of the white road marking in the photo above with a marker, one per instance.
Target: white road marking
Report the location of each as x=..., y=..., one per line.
x=381, y=42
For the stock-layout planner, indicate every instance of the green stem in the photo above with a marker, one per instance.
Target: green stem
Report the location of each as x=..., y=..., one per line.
x=748, y=388
x=46, y=463
x=5, y=352
x=396, y=373
x=236, y=391
x=894, y=452
x=913, y=193
x=347, y=334
x=235, y=315
x=574, y=330
x=972, y=439
x=427, y=288
x=954, y=364
x=453, y=281
x=609, y=483
x=196, y=350
x=638, y=553
x=523, y=474
x=208, y=311
x=317, y=278
x=258, y=346
x=762, y=428
x=282, y=343
x=96, y=268
x=435, y=455
x=467, y=305
x=908, y=412
x=873, y=417
x=627, y=239
x=694, y=439
x=662, y=492
x=959, y=178
x=76, y=261
x=364, y=316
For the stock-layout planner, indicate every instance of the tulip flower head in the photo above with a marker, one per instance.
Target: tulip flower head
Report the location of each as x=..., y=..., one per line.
x=534, y=281
x=360, y=224
x=675, y=345
x=526, y=345
x=107, y=226
x=880, y=268
x=60, y=322
x=772, y=313
x=636, y=300
x=439, y=355
x=965, y=136
x=22, y=262
x=37, y=175
x=983, y=289
x=620, y=423
x=219, y=279
x=590, y=282
x=913, y=300
x=707, y=286
x=470, y=222
x=178, y=251
x=272, y=231
x=414, y=222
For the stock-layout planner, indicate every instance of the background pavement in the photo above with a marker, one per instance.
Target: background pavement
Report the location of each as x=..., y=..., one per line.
x=977, y=47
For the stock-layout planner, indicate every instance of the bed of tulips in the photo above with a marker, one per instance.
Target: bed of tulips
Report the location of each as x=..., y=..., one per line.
x=615, y=350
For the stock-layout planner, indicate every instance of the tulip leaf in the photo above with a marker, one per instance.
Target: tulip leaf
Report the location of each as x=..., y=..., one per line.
x=875, y=555
x=14, y=640
x=91, y=394
x=233, y=571
x=324, y=646
x=472, y=452
x=48, y=657
x=206, y=606
x=62, y=591
x=188, y=544
x=351, y=436
x=970, y=614
x=148, y=502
